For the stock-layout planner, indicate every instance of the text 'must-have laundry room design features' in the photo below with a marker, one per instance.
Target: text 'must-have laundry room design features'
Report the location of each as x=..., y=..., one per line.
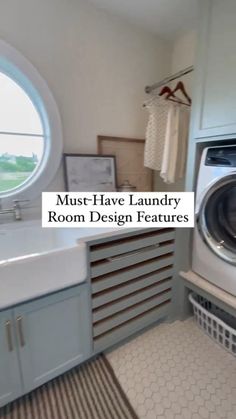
x=116, y=320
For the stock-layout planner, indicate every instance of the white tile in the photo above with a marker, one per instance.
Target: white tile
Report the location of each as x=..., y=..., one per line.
x=159, y=409
x=169, y=414
x=174, y=371
x=149, y=403
x=186, y=413
x=204, y=412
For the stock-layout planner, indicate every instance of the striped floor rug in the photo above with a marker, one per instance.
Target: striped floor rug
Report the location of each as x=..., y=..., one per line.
x=90, y=391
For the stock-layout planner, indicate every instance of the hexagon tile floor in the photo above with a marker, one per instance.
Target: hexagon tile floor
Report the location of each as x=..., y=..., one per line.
x=174, y=371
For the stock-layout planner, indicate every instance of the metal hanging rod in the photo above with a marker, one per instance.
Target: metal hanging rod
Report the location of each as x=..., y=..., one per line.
x=149, y=89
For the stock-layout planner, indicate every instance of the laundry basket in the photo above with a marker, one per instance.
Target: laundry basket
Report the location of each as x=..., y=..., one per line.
x=215, y=322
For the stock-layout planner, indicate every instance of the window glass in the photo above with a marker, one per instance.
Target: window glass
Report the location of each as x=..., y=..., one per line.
x=17, y=112
x=21, y=135
x=19, y=158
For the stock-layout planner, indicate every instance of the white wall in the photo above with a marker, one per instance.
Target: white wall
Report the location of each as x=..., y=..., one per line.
x=95, y=65
x=183, y=55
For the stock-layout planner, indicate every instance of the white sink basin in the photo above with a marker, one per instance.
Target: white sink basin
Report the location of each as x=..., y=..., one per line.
x=36, y=261
x=22, y=239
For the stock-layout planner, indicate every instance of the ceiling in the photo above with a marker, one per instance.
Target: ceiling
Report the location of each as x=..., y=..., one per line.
x=166, y=18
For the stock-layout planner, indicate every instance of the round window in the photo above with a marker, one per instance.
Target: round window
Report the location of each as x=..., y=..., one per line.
x=30, y=129
x=217, y=218
x=21, y=136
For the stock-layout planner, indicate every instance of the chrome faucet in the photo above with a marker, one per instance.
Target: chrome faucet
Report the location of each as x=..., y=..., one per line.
x=15, y=210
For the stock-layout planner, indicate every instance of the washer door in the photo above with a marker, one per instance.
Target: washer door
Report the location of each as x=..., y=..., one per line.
x=217, y=218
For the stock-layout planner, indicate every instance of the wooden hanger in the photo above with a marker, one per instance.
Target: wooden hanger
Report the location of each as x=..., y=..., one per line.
x=166, y=89
x=171, y=95
x=180, y=87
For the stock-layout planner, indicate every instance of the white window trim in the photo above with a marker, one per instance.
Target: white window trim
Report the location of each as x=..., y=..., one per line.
x=17, y=67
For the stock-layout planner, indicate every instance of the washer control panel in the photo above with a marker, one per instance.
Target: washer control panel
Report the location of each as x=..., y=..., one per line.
x=221, y=156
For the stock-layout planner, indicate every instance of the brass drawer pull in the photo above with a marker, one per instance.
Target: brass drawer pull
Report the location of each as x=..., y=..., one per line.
x=9, y=335
x=19, y=322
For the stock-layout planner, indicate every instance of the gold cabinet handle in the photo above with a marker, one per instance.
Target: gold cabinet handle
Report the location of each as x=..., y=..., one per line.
x=19, y=322
x=9, y=335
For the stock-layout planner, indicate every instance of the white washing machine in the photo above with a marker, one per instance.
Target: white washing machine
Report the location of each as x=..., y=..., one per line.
x=214, y=240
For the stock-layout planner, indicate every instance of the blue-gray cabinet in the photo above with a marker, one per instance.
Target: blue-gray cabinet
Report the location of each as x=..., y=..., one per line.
x=10, y=379
x=46, y=337
x=215, y=106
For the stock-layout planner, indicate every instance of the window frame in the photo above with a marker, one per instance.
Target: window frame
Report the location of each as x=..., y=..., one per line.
x=14, y=65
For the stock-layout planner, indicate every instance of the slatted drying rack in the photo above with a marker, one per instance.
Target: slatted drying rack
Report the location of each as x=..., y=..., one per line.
x=131, y=283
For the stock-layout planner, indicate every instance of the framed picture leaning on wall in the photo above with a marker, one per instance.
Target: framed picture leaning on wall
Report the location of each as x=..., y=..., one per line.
x=90, y=173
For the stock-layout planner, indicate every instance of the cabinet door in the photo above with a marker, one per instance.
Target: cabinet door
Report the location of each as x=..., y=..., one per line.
x=54, y=335
x=10, y=380
x=215, y=107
